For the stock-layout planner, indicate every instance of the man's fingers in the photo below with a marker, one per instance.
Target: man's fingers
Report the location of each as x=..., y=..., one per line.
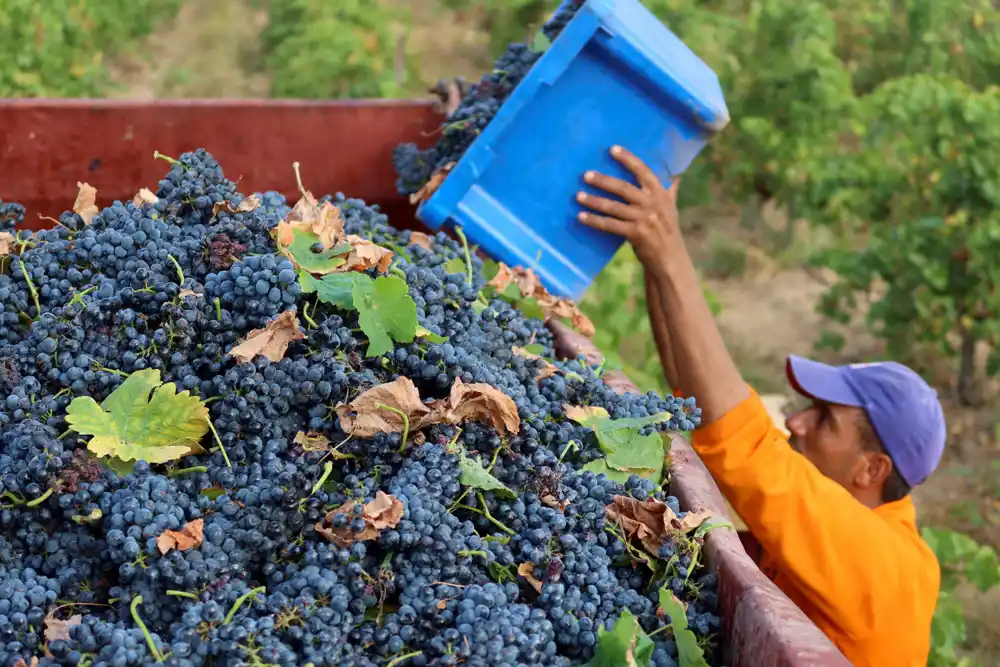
x=613, y=208
x=637, y=167
x=609, y=225
x=615, y=186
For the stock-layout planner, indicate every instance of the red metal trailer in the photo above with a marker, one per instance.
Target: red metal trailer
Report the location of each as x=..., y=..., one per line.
x=47, y=146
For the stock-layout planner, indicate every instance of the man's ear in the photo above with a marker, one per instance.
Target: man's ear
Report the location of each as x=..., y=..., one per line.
x=875, y=469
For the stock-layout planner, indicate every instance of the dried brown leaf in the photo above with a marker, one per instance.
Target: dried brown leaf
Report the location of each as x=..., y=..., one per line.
x=21, y=663
x=312, y=441
x=432, y=185
x=188, y=537
x=550, y=500
x=421, y=239
x=187, y=292
x=692, y=520
x=6, y=243
x=56, y=628
x=86, y=202
x=481, y=403
x=323, y=220
x=547, y=370
x=272, y=341
x=383, y=512
x=145, y=196
x=363, y=417
x=248, y=204
x=441, y=605
x=529, y=285
x=527, y=570
x=646, y=522
x=366, y=255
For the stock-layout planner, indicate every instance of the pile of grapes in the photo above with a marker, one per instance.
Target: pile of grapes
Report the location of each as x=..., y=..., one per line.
x=480, y=103
x=236, y=432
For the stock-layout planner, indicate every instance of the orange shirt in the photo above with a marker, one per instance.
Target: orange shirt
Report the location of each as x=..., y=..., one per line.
x=865, y=577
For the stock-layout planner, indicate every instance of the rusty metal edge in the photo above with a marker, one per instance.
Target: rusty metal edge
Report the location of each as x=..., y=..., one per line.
x=765, y=628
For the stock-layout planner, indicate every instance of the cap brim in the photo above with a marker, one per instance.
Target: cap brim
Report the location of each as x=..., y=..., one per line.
x=820, y=381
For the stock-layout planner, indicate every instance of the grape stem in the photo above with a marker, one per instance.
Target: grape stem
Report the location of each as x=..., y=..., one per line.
x=134, y=608
x=40, y=499
x=327, y=469
x=180, y=271
x=468, y=255
x=403, y=658
x=222, y=447
x=31, y=288
x=571, y=444
x=406, y=423
x=184, y=471
x=157, y=155
x=305, y=316
x=298, y=181
x=485, y=513
x=239, y=603
x=183, y=594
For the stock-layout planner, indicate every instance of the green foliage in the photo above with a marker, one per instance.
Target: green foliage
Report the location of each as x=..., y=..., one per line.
x=927, y=168
x=688, y=650
x=60, y=48
x=505, y=21
x=962, y=560
x=627, y=451
x=342, y=49
x=129, y=425
x=474, y=475
x=625, y=644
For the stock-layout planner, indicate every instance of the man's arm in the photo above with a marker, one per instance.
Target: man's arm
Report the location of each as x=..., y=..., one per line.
x=661, y=334
x=837, y=550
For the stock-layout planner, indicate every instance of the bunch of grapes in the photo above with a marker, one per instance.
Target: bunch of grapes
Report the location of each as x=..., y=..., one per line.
x=174, y=285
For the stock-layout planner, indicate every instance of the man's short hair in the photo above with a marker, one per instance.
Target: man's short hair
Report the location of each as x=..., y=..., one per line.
x=895, y=487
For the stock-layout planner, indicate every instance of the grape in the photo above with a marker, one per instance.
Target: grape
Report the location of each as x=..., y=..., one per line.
x=479, y=105
x=174, y=285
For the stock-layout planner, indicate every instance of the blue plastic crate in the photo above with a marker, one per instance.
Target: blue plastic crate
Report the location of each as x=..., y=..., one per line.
x=615, y=75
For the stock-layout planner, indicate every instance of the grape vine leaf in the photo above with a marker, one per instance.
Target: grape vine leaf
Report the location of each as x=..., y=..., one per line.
x=541, y=42
x=421, y=239
x=456, y=265
x=85, y=205
x=56, y=628
x=626, y=449
x=625, y=645
x=475, y=475
x=300, y=250
x=387, y=313
x=689, y=652
x=188, y=537
x=272, y=341
x=130, y=426
x=600, y=467
x=430, y=336
x=385, y=511
x=336, y=289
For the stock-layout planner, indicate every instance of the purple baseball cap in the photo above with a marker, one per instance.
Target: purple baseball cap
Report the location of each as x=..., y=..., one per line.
x=903, y=409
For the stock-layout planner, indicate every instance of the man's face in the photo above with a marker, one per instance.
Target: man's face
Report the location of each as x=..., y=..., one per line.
x=829, y=436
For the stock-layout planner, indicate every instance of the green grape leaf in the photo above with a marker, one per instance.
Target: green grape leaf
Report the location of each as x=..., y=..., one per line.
x=600, y=467
x=430, y=336
x=625, y=645
x=982, y=569
x=534, y=349
x=475, y=475
x=131, y=426
x=708, y=526
x=689, y=652
x=456, y=265
x=336, y=289
x=299, y=250
x=626, y=449
x=541, y=42
x=387, y=313
x=213, y=492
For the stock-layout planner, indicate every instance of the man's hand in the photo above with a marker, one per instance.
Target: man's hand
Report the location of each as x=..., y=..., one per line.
x=648, y=216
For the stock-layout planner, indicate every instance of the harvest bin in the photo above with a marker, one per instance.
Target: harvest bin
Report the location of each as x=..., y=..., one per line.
x=614, y=75
x=46, y=146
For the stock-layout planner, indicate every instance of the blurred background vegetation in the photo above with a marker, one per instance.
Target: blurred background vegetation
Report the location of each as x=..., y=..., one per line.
x=851, y=210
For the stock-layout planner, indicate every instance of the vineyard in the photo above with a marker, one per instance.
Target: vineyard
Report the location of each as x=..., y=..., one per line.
x=862, y=163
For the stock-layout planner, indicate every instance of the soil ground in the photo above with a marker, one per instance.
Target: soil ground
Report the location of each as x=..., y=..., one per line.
x=768, y=299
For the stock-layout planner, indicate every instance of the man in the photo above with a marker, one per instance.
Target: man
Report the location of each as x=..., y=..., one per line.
x=830, y=504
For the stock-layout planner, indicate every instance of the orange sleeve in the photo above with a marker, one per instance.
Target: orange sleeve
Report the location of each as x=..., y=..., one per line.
x=835, y=550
